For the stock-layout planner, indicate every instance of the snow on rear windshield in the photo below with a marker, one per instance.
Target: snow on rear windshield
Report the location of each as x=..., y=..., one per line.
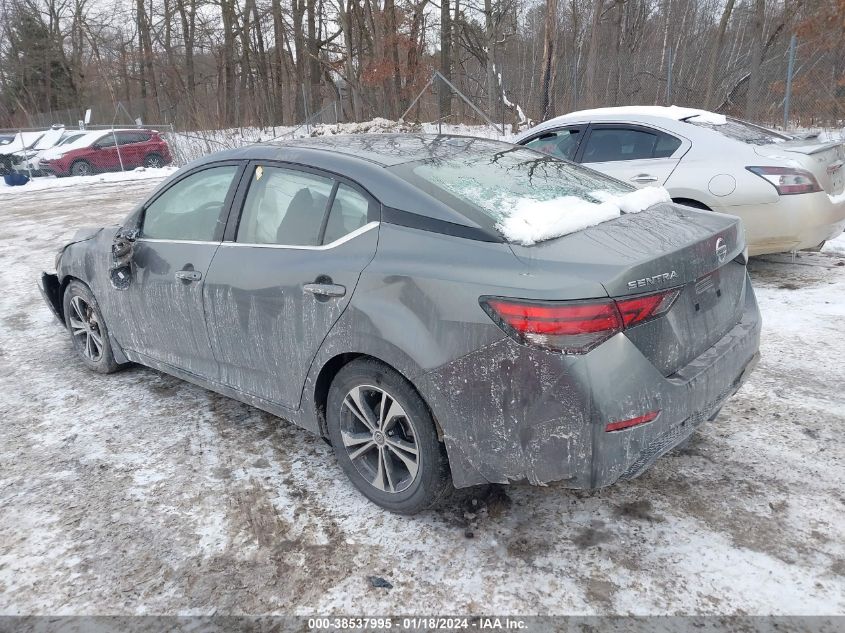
x=526, y=196
x=742, y=131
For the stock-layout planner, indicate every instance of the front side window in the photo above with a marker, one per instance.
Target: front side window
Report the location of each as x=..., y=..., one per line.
x=560, y=143
x=616, y=144
x=284, y=206
x=190, y=209
x=106, y=141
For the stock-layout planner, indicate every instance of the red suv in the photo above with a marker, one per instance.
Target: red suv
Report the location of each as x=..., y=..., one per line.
x=112, y=151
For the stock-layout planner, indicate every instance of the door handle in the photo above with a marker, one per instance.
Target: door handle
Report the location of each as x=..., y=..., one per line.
x=325, y=290
x=644, y=178
x=188, y=275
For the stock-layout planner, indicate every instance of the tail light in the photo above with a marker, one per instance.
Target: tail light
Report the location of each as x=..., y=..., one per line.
x=788, y=180
x=574, y=327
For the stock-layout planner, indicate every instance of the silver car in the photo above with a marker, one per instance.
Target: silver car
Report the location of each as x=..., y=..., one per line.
x=361, y=287
x=790, y=193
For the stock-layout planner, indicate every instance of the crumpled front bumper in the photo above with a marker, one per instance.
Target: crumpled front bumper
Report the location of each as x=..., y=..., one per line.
x=510, y=412
x=51, y=291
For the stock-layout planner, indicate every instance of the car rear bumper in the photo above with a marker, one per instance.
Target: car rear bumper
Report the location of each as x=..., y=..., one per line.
x=792, y=223
x=511, y=413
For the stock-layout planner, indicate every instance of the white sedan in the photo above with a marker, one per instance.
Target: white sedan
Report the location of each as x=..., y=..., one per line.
x=790, y=193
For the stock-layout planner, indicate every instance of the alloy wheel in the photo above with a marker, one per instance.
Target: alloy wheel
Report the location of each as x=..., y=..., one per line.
x=154, y=162
x=379, y=438
x=85, y=327
x=81, y=169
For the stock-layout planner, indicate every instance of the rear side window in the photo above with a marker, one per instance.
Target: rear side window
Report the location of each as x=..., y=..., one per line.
x=487, y=186
x=560, y=143
x=349, y=212
x=606, y=145
x=127, y=138
x=191, y=208
x=743, y=132
x=284, y=206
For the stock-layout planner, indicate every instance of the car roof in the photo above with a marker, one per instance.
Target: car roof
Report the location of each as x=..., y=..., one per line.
x=670, y=113
x=385, y=150
x=671, y=118
x=363, y=158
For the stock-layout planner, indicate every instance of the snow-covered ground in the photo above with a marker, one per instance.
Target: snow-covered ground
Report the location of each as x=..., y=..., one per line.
x=77, y=182
x=138, y=493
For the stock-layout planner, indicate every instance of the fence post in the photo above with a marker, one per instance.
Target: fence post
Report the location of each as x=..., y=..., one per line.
x=669, y=61
x=117, y=147
x=305, y=107
x=790, y=67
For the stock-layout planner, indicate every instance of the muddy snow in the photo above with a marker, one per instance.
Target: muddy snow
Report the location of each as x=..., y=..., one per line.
x=137, y=493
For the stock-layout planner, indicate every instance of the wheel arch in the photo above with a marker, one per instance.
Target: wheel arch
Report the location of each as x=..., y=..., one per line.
x=64, y=282
x=691, y=202
x=330, y=369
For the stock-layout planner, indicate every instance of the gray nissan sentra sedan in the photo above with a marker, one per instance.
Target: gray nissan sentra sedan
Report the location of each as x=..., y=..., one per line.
x=363, y=288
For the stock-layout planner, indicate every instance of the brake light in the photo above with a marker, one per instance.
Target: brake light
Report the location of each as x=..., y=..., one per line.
x=788, y=180
x=574, y=327
x=637, y=310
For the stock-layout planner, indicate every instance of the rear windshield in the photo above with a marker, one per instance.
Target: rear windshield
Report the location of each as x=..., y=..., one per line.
x=486, y=186
x=743, y=131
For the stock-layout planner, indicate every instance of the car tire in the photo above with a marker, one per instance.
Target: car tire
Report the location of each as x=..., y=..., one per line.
x=153, y=161
x=87, y=328
x=81, y=168
x=392, y=456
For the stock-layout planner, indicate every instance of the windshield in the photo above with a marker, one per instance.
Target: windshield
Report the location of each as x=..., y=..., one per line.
x=71, y=138
x=487, y=186
x=743, y=131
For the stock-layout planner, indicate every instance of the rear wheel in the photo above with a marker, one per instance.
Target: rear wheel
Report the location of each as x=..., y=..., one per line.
x=153, y=161
x=87, y=329
x=385, y=439
x=81, y=168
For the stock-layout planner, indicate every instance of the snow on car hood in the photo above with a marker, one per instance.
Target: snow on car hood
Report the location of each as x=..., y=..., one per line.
x=532, y=221
x=60, y=150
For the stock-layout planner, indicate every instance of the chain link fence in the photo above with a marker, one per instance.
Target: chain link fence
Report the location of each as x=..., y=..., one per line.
x=800, y=88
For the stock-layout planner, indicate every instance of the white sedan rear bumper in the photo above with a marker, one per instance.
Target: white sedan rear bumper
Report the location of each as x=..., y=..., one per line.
x=792, y=223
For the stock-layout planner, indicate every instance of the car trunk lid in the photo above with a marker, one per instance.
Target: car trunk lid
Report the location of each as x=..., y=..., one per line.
x=825, y=160
x=665, y=247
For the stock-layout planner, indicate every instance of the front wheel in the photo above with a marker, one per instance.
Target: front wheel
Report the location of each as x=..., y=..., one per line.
x=385, y=439
x=87, y=329
x=81, y=168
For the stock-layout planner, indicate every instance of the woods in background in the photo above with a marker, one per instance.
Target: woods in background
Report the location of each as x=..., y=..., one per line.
x=204, y=64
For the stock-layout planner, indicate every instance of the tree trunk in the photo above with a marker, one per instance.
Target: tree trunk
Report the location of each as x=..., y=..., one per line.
x=549, y=70
x=593, y=55
x=279, y=62
x=445, y=92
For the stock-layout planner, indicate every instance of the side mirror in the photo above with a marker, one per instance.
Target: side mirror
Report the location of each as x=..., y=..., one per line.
x=122, y=247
